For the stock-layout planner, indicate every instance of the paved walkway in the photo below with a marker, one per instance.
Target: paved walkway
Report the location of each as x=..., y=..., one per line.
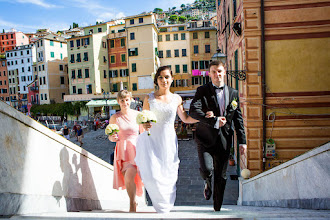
x=189, y=212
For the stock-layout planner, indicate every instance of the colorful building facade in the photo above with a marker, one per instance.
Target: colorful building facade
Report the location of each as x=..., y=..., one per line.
x=283, y=49
x=4, y=85
x=9, y=40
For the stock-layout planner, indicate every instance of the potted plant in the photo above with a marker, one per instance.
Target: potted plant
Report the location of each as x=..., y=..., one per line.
x=231, y=157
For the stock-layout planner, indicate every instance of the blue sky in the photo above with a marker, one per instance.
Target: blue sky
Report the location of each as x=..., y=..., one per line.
x=29, y=15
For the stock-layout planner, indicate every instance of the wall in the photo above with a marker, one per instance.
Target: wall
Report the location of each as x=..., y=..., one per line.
x=303, y=182
x=43, y=172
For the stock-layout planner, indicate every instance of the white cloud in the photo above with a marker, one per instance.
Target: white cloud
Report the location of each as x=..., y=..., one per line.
x=41, y=3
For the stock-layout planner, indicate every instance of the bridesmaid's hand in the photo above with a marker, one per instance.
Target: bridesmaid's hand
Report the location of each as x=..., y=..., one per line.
x=114, y=137
x=209, y=114
x=147, y=126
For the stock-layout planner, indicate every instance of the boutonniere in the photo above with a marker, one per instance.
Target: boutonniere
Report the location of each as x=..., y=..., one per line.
x=234, y=104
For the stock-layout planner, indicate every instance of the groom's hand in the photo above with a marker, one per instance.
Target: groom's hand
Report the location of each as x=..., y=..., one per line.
x=222, y=121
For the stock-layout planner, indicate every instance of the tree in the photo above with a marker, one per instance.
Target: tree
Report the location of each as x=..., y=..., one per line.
x=182, y=6
x=70, y=27
x=174, y=18
x=3, y=30
x=182, y=19
x=158, y=10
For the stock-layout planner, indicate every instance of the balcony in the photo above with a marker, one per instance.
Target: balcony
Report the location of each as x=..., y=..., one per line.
x=34, y=88
x=116, y=35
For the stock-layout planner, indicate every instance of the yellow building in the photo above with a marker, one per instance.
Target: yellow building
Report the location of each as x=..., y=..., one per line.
x=174, y=51
x=283, y=46
x=142, y=35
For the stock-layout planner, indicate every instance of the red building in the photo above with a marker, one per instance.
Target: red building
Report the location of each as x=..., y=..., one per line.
x=9, y=40
x=33, y=95
x=4, y=85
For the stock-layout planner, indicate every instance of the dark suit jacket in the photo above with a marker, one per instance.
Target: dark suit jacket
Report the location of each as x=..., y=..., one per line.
x=206, y=100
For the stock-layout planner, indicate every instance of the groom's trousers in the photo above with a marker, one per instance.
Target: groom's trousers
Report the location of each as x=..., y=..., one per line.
x=214, y=160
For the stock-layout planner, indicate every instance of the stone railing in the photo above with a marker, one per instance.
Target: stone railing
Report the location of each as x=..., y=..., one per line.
x=41, y=171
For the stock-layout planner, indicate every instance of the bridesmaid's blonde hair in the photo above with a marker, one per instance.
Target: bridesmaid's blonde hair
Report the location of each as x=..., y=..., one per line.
x=123, y=94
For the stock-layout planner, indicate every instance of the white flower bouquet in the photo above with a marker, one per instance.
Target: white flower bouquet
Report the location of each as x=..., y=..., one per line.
x=111, y=129
x=146, y=116
x=234, y=104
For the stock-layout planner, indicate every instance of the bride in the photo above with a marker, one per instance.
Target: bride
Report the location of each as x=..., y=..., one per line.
x=157, y=154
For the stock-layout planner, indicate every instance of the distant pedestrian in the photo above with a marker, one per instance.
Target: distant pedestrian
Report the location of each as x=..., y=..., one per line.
x=75, y=128
x=66, y=132
x=80, y=135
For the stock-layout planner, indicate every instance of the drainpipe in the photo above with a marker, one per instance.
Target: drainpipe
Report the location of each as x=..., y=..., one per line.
x=263, y=82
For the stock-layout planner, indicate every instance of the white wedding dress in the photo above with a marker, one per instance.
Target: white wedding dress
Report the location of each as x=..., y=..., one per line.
x=157, y=155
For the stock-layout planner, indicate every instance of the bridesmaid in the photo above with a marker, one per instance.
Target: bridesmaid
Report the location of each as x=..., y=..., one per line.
x=125, y=170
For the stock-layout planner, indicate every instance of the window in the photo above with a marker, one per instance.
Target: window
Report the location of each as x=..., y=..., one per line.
x=195, y=49
x=181, y=28
x=51, y=43
x=112, y=59
x=89, y=89
x=28, y=52
x=133, y=67
x=184, y=52
x=86, y=41
x=79, y=91
x=22, y=69
x=61, y=44
x=61, y=67
x=99, y=30
x=73, y=74
x=104, y=74
x=63, y=94
x=62, y=80
x=207, y=34
x=44, y=80
x=42, y=96
x=184, y=68
x=39, y=68
x=52, y=54
x=176, y=36
x=78, y=57
x=28, y=60
x=122, y=42
x=234, y=8
x=207, y=49
x=134, y=85
x=91, y=31
x=183, y=36
x=132, y=36
x=21, y=53
x=177, y=68
x=86, y=73
x=74, y=89
x=104, y=59
x=168, y=53
x=201, y=64
x=168, y=37
x=123, y=58
x=22, y=61
x=176, y=53
x=45, y=96
x=79, y=74
x=140, y=20
x=160, y=54
x=115, y=87
x=71, y=43
x=85, y=56
x=195, y=35
x=112, y=43
x=78, y=42
x=160, y=38
x=131, y=21
x=40, y=43
x=104, y=44
x=72, y=58
x=61, y=56
x=133, y=52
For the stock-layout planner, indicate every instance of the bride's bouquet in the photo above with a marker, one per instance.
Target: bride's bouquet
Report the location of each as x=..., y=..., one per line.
x=146, y=116
x=111, y=129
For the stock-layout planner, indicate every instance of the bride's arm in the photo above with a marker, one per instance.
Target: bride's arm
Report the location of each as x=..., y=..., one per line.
x=183, y=115
x=146, y=126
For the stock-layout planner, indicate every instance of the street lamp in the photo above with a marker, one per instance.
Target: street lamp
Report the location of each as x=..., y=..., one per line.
x=219, y=56
x=106, y=96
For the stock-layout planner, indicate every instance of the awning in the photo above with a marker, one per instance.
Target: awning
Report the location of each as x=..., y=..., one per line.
x=99, y=103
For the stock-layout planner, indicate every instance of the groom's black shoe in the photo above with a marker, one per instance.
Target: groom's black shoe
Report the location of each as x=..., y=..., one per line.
x=207, y=189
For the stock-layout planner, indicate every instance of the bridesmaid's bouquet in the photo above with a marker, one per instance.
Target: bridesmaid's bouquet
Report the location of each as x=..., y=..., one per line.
x=111, y=129
x=146, y=116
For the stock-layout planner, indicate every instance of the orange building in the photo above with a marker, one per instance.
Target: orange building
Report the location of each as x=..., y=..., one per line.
x=4, y=85
x=9, y=40
x=117, y=56
x=283, y=47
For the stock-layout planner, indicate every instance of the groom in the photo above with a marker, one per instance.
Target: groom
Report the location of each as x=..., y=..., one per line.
x=214, y=132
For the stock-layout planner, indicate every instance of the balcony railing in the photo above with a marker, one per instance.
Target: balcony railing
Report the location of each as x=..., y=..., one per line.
x=34, y=88
x=238, y=74
x=117, y=35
